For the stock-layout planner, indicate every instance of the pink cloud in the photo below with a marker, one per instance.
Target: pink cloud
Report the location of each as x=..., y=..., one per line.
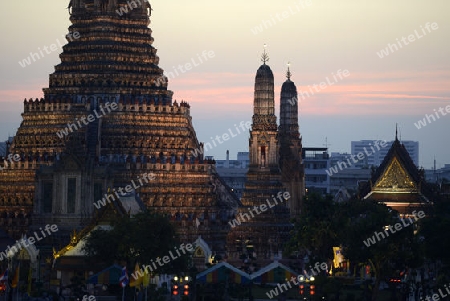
x=399, y=93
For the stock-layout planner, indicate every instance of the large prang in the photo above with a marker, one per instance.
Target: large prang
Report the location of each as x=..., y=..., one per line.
x=67, y=164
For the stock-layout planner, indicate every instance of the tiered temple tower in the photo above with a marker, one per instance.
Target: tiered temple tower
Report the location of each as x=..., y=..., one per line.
x=262, y=236
x=109, y=59
x=292, y=170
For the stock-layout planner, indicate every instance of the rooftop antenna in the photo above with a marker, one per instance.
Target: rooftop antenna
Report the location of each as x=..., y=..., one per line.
x=326, y=143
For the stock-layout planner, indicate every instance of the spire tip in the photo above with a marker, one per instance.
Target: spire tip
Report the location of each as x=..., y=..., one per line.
x=288, y=73
x=265, y=56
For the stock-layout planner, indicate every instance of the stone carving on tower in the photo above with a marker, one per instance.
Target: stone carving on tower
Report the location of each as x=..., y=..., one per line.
x=67, y=164
x=290, y=142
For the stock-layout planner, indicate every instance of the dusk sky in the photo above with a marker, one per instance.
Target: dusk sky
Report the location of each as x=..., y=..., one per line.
x=409, y=79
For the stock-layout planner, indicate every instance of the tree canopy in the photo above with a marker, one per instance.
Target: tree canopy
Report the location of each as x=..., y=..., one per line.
x=141, y=239
x=325, y=224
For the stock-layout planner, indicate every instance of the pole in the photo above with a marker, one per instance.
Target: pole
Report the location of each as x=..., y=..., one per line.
x=7, y=289
x=18, y=280
x=123, y=293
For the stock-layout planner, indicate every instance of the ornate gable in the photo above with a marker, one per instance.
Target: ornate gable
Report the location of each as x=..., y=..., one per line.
x=395, y=178
x=398, y=183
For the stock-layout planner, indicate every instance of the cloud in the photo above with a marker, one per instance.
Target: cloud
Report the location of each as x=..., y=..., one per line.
x=384, y=93
x=362, y=93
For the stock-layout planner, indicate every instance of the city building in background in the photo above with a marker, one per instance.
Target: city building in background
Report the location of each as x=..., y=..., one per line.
x=378, y=156
x=4, y=146
x=316, y=161
x=234, y=172
x=438, y=176
x=242, y=161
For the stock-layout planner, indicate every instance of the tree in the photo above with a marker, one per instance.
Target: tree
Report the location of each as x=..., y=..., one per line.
x=325, y=224
x=390, y=251
x=315, y=230
x=433, y=230
x=142, y=238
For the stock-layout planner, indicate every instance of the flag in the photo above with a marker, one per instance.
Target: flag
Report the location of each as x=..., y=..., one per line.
x=136, y=282
x=146, y=280
x=15, y=280
x=124, y=277
x=4, y=276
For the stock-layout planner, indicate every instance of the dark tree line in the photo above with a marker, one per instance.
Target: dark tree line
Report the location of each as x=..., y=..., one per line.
x=325, y=224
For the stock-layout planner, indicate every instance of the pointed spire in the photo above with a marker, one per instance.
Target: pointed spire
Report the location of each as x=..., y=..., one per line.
x=288, y=73
x=396, y=131
x=265, y=56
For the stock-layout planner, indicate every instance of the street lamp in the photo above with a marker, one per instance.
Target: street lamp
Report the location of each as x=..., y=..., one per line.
x=174, y=288
x=186, y=285
x=178, y=287
x=312, y=287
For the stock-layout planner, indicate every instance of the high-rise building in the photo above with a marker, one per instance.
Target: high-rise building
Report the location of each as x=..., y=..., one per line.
x=107, y=122
x=242, y=161
x=316, y=161
x=376, y=157
x=234, y=172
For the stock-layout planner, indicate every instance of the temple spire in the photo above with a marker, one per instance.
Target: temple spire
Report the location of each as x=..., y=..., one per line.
x=288, y=73
x=265, y=56
x=396, y=131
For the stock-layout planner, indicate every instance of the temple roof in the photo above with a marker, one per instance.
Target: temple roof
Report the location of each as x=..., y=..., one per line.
x=397, y=179
x=128, y=204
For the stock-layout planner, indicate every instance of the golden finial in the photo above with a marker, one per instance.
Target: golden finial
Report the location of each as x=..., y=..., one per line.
x=73, y=237
x=265, y=56
x=288, y=73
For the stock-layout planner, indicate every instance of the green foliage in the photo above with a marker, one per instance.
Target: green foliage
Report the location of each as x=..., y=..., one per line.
x=325, y=224
x=141, y=238
x=361, y=219
x=316, y=228
x=433, y=229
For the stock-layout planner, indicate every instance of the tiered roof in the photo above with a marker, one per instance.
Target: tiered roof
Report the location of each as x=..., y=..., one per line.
x=398, y=182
